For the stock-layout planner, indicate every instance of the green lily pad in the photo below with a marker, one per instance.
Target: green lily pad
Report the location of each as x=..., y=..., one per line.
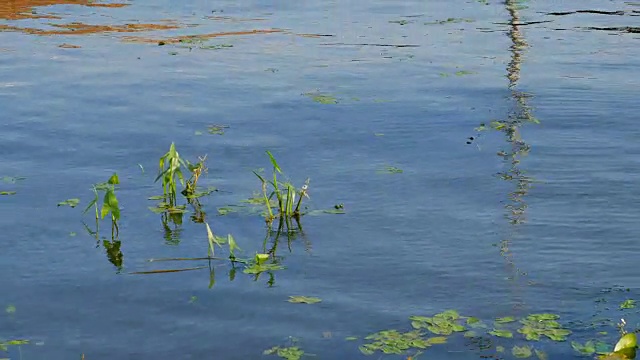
x=521, y=352
x=628, y=304
x=501, y=333
x=70, y=202
x=304, y=300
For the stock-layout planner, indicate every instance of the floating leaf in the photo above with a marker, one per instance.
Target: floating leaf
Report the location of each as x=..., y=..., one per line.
x=7, y=192
x=628, y=304
x=521, y=352
x=541, y=354
x=217, y=129
x=437, y=340
x=501, y=333
x=588, y=348
x=304, y=300
x=322, y=98
x=11, y=309
x=505, y=320
x=288, y=353
x=70, y=202
x=464, y=72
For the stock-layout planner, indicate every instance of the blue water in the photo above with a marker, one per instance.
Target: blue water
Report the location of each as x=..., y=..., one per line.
x=414, y=243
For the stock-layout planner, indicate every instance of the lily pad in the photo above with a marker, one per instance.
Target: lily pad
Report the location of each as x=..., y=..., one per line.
x=304, y=300
x=70, y=202
x=521, y=352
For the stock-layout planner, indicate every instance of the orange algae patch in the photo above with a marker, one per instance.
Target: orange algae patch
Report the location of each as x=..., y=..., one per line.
x=76, y=28
x=25, y=9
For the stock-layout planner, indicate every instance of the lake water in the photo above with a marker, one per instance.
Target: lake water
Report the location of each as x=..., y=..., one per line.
x=538, y=213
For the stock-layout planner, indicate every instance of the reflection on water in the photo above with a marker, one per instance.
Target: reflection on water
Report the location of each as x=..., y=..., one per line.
x=26, y=9
x=517, y=147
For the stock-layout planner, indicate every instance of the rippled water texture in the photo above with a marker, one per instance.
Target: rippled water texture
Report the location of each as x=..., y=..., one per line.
x=485, y=153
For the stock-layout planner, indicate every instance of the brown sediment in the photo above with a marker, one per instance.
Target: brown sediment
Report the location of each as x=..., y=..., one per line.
x=77, y=28
x=179, y=39
x=24, y=9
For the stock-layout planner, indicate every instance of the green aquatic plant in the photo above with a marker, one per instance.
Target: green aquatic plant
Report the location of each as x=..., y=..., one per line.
x=400, y=22
x=395, y=342
x=259, y=264
x=4, y=345
x=70, y=202
x=170, y=171
x=10, y=180
x=287, y=353
x=287, y=197
x=443, y=323
x=535, y=326
x=110, y=203
x=521, y=352
x=321, y=98
x=304, y=300
x=217, y=129
x=388, y=169
x=628, y=304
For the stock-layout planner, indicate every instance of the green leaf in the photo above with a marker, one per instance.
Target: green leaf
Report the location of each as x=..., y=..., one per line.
x=587, y=349
x=304, y=300
x=11, y=309
x=628, y=304
x=274, y=162
x=70, y=202
x=211, y=239
x=629, y=340
x=471, y=321
x=7, y=192
x=93, y=202
x=437, y=340
x=112, y=201
x=232, y=245
x=505, y=320
x=113, y=180
x=521, y=352
x=501, y=333
x=541, y=354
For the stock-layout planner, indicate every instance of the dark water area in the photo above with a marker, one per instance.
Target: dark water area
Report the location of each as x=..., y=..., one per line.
x=515, y=130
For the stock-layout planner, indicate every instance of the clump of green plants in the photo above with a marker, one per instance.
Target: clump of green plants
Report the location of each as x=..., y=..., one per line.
x=444, y=323
x=287, y=353
x=535, y=326
x=395, y=342
x=109, y=203
x=170, y=172
x=282, y=199
x=624, y=349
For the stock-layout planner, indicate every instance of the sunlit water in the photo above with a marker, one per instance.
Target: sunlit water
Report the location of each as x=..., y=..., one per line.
x=440, y=235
